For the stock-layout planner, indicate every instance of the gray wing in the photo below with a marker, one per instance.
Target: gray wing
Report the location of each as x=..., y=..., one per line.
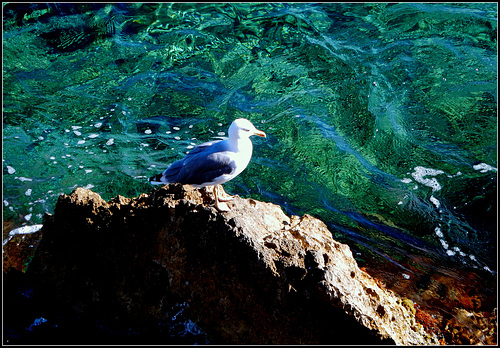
x=202, y=168
x=204, y=163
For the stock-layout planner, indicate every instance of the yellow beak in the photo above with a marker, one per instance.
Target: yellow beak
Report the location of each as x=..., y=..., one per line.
x=259, y=133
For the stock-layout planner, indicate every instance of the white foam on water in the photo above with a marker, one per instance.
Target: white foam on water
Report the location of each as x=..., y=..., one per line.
x=26, y=230
x=28, y=192
x=22, y=178
x=439, y=233
x=435, y=201
x=93, y=135
x=443, y=243
x=110, y=141
x=421, y=175
x=421, y=172
x=10, y=170
x=483, y=167
x=22, y=230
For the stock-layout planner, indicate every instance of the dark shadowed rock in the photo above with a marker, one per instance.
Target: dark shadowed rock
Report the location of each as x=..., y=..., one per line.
x=249, y=276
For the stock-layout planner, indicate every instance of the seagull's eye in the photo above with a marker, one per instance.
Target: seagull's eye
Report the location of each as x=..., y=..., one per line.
x=246, y=130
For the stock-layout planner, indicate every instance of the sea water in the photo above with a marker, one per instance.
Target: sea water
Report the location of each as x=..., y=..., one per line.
x=381, y=118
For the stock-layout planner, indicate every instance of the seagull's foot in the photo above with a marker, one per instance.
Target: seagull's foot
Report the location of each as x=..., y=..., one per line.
x=220, y=202
x=222, y=206
x=221, y=194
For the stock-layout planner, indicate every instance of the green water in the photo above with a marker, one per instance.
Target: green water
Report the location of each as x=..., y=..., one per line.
x=381, y=118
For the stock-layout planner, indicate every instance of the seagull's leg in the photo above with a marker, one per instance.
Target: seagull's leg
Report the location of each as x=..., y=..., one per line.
x=223, y=195
x=221, y=206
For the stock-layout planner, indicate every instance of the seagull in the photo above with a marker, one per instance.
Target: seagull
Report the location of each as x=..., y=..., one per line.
x=214, y=163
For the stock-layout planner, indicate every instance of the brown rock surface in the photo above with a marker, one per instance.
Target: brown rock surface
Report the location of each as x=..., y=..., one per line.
x=18, y=249
x=249, y=276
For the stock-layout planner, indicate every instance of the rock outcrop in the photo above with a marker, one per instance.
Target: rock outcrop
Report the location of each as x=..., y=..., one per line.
x=252, y=275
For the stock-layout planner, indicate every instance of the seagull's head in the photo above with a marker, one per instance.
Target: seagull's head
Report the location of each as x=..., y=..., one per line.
x=242, y=127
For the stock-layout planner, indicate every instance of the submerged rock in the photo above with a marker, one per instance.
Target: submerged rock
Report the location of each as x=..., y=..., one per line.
x=19, y=245
x=252, y=275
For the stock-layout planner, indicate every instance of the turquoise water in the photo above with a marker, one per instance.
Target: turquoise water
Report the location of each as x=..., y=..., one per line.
x=381, y=118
